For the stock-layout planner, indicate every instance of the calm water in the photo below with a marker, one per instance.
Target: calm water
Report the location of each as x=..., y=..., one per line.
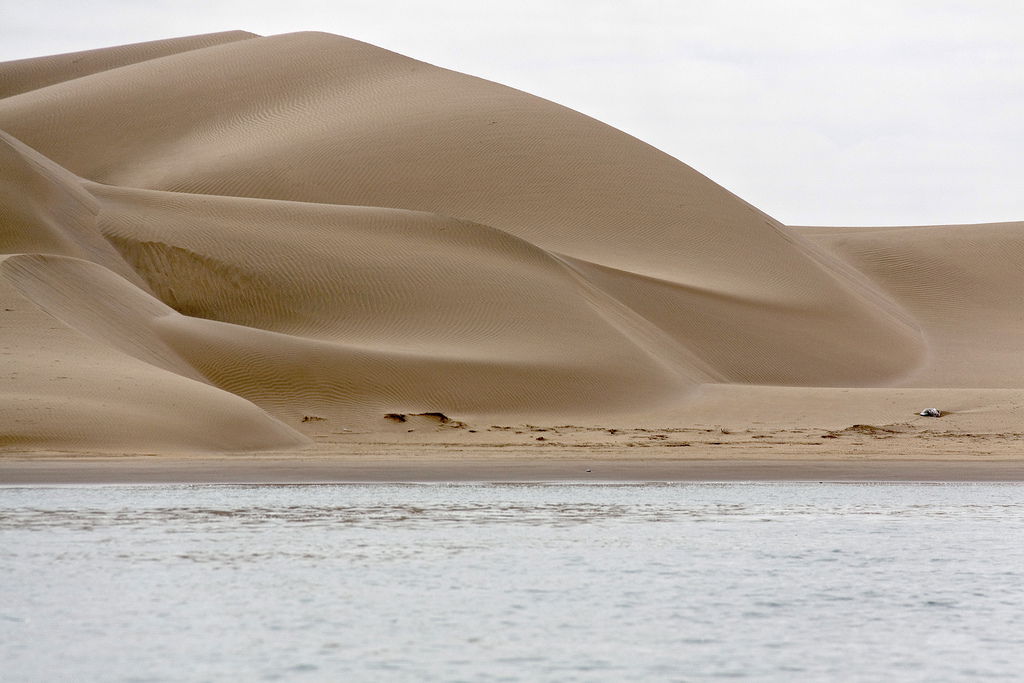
x=775, y=582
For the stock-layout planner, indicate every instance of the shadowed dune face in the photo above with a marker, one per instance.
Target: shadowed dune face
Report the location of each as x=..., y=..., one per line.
x=308, y=225
x=45, y=209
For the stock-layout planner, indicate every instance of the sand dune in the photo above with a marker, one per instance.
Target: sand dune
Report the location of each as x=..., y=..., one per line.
x=225, y=242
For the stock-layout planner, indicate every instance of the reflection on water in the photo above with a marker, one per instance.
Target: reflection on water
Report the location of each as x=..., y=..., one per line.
x=512, y=582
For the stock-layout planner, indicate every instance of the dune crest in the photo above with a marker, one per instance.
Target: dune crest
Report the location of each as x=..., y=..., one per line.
x=231, y=240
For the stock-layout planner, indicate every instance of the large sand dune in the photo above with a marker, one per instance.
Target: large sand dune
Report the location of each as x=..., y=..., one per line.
x=230, y=242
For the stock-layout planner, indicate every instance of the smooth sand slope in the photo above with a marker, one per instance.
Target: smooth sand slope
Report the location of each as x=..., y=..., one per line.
x=234, y=243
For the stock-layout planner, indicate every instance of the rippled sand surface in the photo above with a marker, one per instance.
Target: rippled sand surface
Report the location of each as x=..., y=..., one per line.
x=512, y=582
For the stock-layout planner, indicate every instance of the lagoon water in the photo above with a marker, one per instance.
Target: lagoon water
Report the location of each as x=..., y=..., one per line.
x=482, y=582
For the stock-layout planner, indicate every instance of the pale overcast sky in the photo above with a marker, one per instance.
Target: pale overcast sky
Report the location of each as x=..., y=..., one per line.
x=819, y=112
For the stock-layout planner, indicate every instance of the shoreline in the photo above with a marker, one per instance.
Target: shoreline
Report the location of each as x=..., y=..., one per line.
x=546, y=454
x=249, y=469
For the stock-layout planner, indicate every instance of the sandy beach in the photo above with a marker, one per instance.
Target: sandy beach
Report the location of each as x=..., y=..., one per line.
x=532, y=453
x=305, y=258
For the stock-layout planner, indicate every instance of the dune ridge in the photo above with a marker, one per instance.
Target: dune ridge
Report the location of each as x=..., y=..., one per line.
x=233, y=242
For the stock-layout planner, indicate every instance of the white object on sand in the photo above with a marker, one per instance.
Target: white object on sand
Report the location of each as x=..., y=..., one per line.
x=931, y=412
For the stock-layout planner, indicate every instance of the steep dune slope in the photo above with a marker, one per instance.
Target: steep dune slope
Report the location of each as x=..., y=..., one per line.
x=45, y=209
